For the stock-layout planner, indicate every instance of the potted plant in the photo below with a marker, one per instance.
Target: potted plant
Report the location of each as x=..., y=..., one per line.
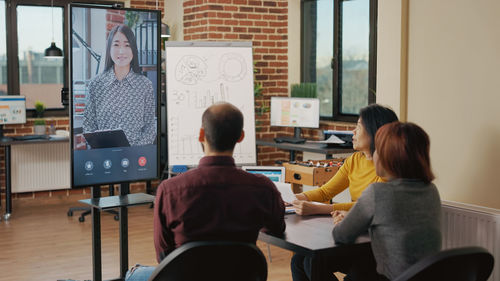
x=39, y=125
x=304, y=90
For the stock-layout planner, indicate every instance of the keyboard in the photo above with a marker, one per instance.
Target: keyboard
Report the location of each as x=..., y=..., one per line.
x=289, y=140
x=31, y=137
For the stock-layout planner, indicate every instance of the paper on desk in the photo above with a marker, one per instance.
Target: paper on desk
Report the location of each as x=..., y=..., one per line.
x=331, y=139
x=286, y=192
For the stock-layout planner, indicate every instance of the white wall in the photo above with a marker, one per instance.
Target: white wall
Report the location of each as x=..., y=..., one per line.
x=453, y=90
x=174, y=13
x=389, y=54
x=293, y=42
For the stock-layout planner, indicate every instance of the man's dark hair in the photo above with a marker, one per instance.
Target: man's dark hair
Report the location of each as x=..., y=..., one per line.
x=134, y=64
x=373, y=117
x=223, y=124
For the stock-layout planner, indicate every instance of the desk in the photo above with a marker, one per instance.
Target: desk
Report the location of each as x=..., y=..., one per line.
x=312, y=236
x=309, y=147
x=8, y=182
x=99, y=204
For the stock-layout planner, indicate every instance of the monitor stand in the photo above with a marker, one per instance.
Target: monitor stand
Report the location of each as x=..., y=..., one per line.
x=2, y=138
x=295, y=139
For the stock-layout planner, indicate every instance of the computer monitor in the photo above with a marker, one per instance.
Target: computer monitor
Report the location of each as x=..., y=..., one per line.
x=275, y=174
x=12, y=111
x=294, y=112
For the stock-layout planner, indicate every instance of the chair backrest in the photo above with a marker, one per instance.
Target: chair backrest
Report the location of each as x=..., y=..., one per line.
x=461, y=264
x=213, y=260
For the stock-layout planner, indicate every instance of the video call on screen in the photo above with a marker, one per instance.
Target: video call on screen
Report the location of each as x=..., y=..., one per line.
x=114, y=80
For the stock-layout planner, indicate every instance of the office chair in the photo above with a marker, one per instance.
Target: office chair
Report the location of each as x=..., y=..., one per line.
x=460, y=264
x=213, y=260
x=88, y=210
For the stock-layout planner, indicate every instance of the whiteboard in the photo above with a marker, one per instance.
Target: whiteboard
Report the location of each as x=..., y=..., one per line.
x=199, y=74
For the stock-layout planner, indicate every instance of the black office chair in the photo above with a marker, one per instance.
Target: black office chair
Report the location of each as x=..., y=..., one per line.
x=461, y=264
x=213, y=260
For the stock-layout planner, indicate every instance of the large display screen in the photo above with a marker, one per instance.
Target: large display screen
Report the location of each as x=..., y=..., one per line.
x=115, y=68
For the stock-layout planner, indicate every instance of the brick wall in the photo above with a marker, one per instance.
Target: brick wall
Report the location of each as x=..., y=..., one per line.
x=265, y=24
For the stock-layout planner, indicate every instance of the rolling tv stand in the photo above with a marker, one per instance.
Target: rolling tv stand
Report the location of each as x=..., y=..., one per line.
x=88, y=210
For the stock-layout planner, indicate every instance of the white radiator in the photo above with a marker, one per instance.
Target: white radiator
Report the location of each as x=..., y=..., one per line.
x=470, y=225
x=37, y=167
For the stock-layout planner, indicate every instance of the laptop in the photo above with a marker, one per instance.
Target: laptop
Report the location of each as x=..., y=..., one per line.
x=106, y=139
x=275, y=174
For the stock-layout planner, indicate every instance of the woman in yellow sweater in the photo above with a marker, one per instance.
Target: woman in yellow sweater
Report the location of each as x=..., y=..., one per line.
x=357, y=172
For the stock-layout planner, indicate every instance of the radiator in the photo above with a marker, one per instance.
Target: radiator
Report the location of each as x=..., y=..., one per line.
x=469, y=225
x=37, y=167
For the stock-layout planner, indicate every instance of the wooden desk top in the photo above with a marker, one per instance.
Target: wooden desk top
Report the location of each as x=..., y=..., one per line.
x=310, y=235
x=111, y=202
x=309, y=147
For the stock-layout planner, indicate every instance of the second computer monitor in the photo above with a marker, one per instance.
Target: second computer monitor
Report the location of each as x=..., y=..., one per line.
x=295, y=112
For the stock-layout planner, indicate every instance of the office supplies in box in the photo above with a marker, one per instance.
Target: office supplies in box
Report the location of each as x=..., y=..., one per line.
x=344, y=138
x=314, y=173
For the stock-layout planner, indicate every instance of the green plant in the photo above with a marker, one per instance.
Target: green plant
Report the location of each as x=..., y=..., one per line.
x=304, y=90
x=39, y=122
x=39, y=108
x=132, y=18
x=260, y=108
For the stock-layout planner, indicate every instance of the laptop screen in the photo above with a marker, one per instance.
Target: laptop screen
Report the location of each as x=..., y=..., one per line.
x=275, y=174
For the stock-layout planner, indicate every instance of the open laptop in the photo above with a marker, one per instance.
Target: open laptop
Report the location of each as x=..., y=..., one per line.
x=275, y=174
x=106, y=139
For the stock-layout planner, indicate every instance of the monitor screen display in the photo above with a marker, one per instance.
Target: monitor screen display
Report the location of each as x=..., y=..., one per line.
x=295, y=112
x=275, y=174
x=115, y=68
x=12, y=110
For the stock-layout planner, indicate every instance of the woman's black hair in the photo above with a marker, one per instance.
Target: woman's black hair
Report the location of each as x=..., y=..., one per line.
x=134, y=64
x=373, y=117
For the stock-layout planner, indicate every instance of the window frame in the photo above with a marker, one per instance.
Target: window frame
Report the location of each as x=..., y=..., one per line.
x=13, y=83
x=336, y=62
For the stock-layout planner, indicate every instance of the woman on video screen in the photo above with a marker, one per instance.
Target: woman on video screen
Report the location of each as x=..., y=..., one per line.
x=121, y=97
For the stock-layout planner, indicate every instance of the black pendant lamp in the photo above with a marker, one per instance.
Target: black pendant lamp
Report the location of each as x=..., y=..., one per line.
x=53, y=51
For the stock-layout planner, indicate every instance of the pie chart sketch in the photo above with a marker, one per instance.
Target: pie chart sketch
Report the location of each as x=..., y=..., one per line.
x=232, y=67
x=190, y=70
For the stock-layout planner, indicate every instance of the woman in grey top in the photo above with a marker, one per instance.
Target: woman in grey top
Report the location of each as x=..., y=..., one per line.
x=121, y=97
x=403, y=215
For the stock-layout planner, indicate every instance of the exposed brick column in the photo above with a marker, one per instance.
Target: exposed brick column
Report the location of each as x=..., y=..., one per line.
x=265, y=24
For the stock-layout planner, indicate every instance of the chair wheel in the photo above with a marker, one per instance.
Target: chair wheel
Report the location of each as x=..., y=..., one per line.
x=70, y=213
x=81, y=219
x=117, y=218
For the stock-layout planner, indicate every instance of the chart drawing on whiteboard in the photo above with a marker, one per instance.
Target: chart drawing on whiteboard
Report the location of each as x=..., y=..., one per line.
x=199, y=75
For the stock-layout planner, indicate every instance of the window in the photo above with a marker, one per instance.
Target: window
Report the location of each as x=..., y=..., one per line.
x=40, y=78
x=28, y=29
x=338, y=54
x=3, y=50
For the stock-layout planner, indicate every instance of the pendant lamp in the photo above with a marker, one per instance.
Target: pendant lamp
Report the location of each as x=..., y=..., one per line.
x=53, y=51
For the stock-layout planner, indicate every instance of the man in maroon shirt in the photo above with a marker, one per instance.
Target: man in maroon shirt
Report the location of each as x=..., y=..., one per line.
x=217, y=200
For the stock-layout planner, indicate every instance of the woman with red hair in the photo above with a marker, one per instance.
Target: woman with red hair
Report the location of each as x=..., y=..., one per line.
x=403, y=214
